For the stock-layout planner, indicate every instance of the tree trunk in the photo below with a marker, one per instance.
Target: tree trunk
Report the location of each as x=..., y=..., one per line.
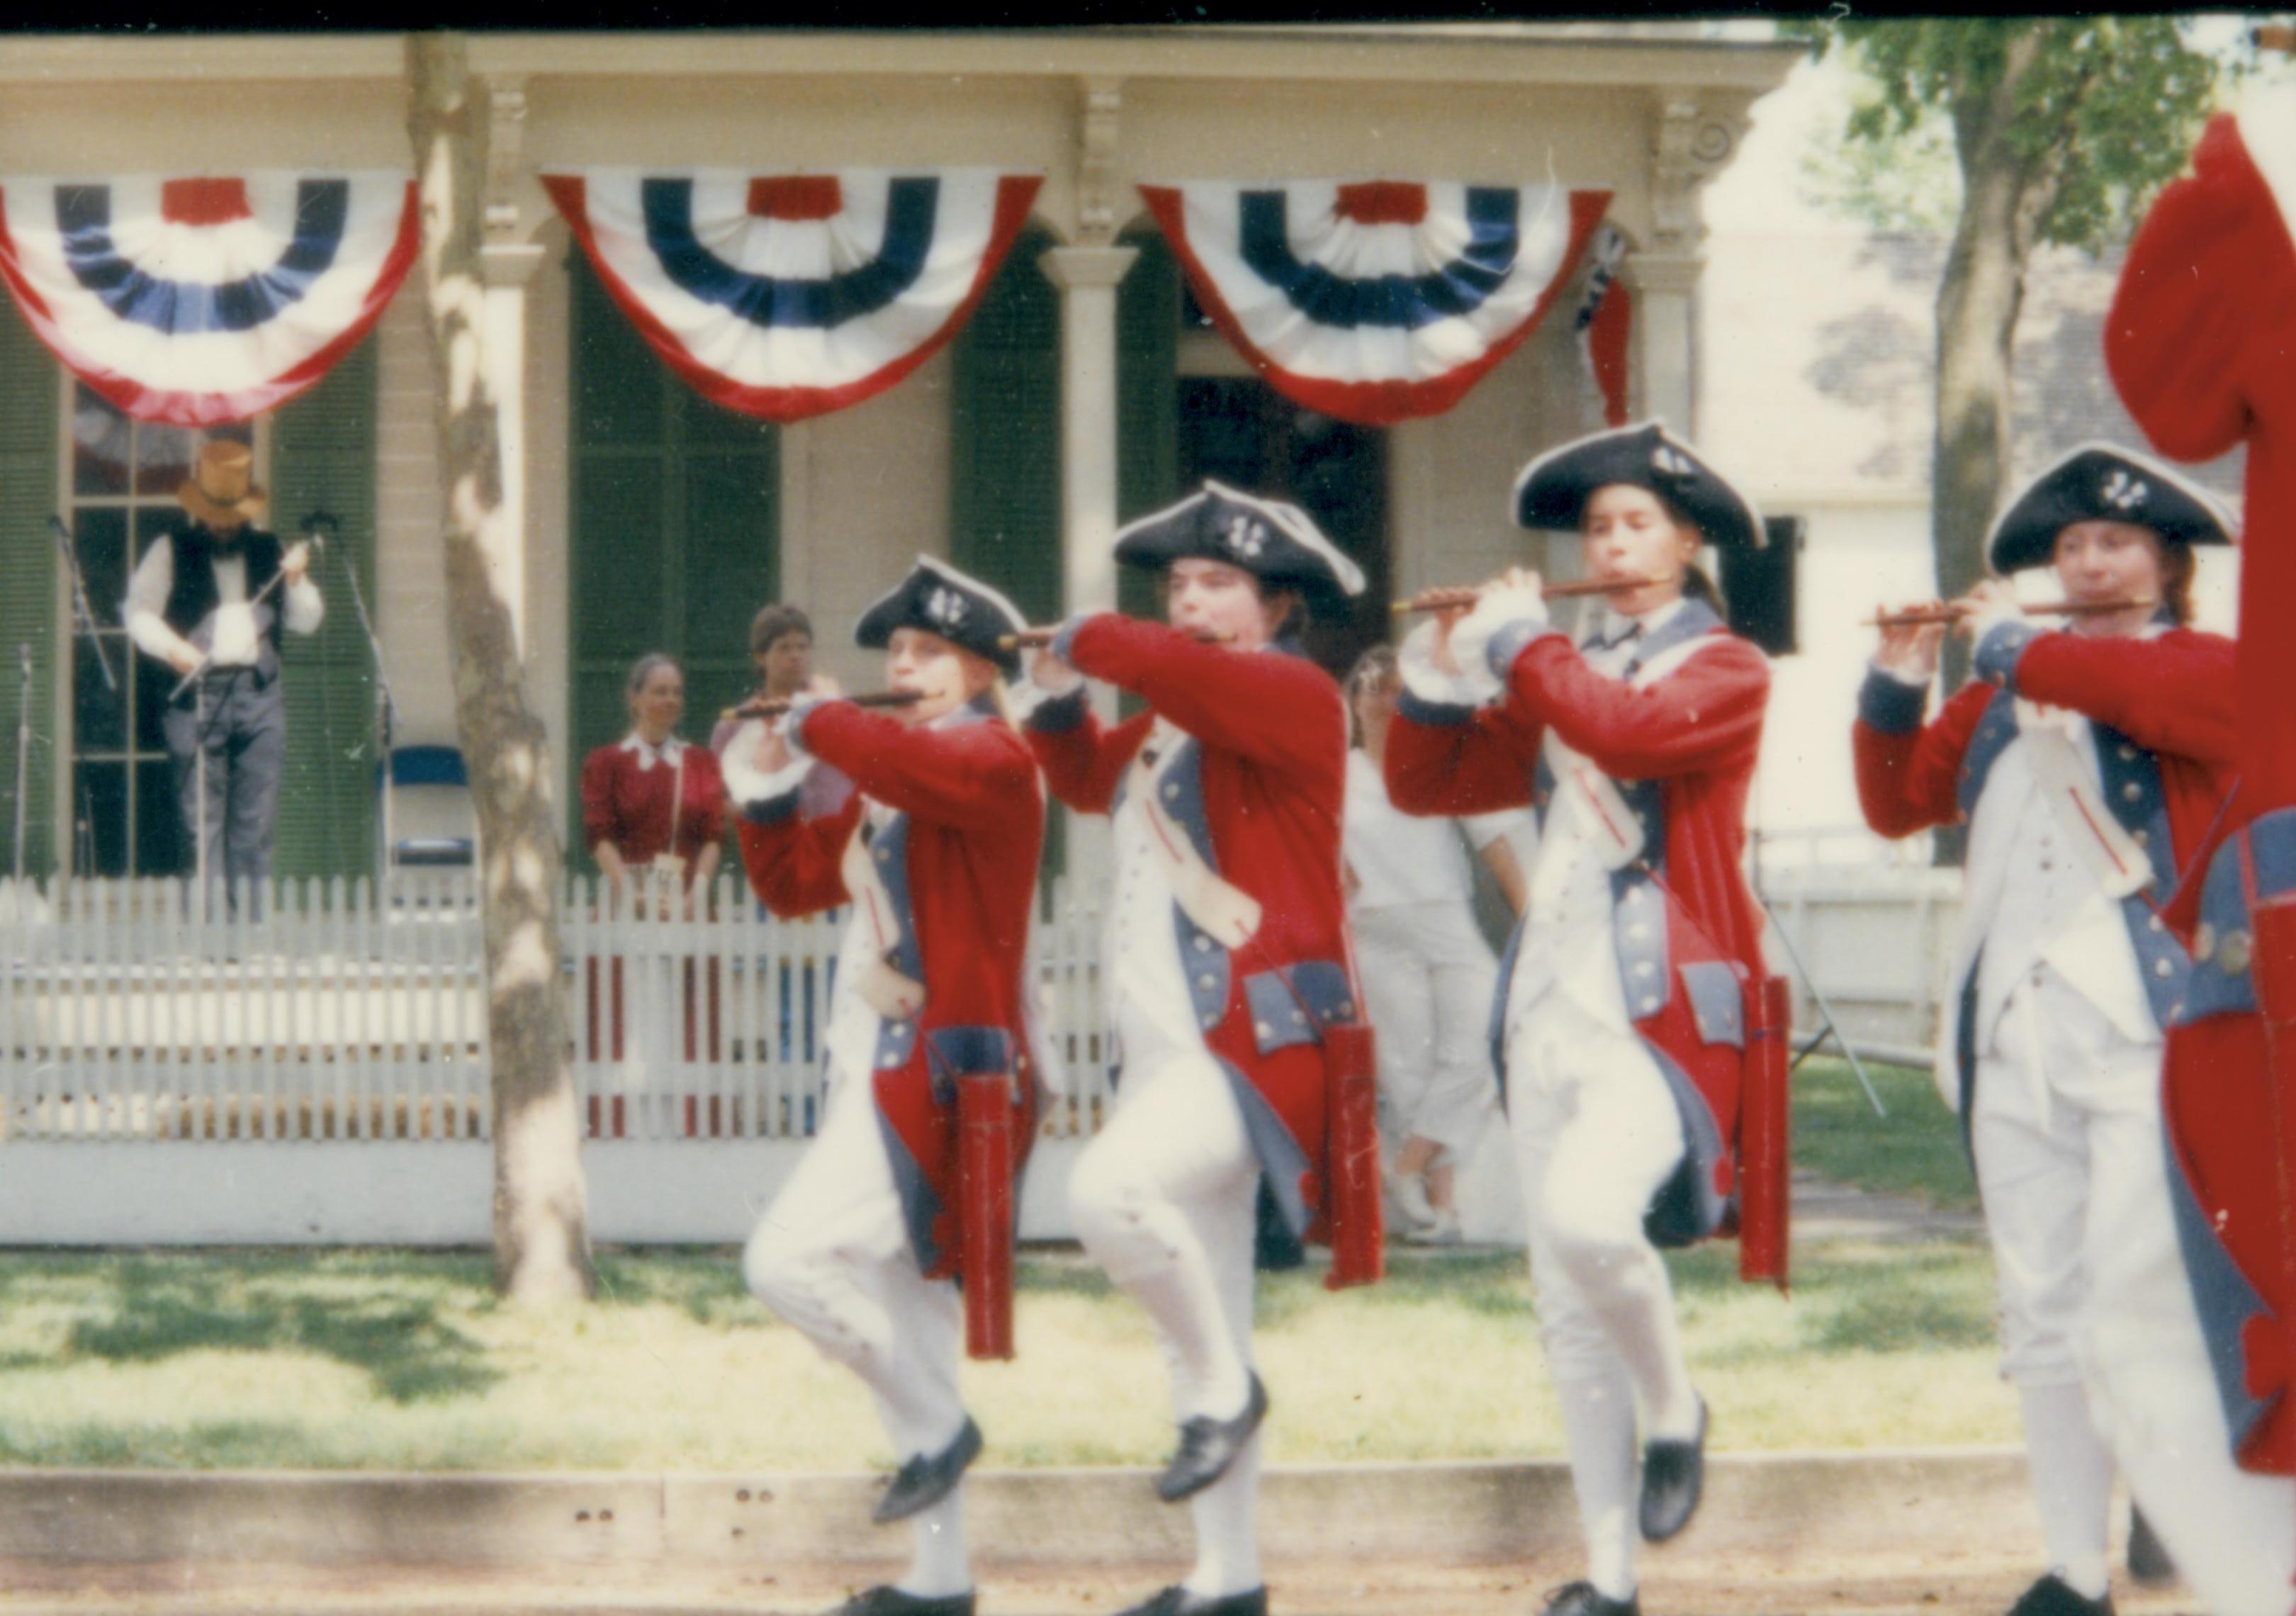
x=1978, y=298
x=542, y=1242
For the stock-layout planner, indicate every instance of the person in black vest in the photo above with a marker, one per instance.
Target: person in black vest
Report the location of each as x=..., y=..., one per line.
x=193, y=605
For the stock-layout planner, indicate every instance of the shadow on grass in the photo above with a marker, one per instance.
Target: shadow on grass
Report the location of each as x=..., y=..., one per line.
x=1937, y=1298
x=162, y=1308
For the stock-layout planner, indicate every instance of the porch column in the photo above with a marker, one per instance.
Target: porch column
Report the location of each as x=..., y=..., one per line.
x=507, y=261
x=1665, y=381
x=1087, y=278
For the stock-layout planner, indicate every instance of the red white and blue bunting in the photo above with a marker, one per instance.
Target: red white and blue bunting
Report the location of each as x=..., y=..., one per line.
x=787, y=296
x=1378, y=301
x=197, y=301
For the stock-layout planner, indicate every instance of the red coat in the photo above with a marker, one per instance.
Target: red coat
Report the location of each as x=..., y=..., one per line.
x=2198, y=342
x=1264, y=806
x=958, y=863
x=629, y=807
x=1682, y=746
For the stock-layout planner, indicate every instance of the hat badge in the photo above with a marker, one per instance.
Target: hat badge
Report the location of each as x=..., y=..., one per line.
x=2123, y=492
x=1671, y=460
x=945, y=607
x=1246, y=537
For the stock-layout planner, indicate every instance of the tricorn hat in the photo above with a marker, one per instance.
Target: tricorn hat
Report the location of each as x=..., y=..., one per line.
x=1554, y=490
x=221, y=491
x=2097, y=483
x=943, y=600
x=1276, y=542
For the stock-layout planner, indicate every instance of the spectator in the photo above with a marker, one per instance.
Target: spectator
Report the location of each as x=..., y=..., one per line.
x=650, y=798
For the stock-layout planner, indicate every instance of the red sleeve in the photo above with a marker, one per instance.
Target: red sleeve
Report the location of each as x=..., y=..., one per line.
x=600, y=822
x=1479, y=767
x=2173, y=694
x=1084, y=760
x=2205, y=296
x=966, y=775
x=1696, y=717
x=1909, y=780
x=795, y=864
x=1273, y=708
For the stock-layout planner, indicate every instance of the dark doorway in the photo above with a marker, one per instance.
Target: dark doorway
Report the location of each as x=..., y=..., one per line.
x=1243, y=431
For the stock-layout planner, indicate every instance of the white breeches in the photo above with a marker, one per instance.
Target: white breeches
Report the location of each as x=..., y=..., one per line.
x=1428, y=978
x=832, y=1257
x=1596, y=1132
x=2066, y=1129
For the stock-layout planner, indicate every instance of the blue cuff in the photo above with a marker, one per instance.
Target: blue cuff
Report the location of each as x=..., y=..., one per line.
x=1065, y=639
x=1435, y=715
x=1997, y=652
x=1890, y=706
x=1057, y=714
x=1508, y=641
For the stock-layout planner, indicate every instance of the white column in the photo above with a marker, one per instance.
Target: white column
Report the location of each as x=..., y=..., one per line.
x=502, y=347
x=1088, y=278
x=1665, y=382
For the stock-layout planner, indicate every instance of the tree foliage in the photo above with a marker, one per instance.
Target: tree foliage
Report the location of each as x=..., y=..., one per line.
x=2102, y=110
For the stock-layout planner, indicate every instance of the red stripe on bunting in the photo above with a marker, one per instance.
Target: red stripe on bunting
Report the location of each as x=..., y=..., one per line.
x=215, y=409
x=1015, y=195
x=1371, y=403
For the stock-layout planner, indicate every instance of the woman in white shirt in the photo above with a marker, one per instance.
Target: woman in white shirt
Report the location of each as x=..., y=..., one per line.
x=1427, y=974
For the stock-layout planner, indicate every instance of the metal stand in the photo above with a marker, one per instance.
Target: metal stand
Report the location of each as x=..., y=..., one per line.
x=386, y=708
x=199, y=786
x=23, y=752
x=82, y=614
x=1824, y=1011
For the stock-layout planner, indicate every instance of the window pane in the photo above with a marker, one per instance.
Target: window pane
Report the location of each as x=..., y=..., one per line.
x=160, y=840
x=100, y=808
x=100, y=539
x=153, y=682
x=101, y=443
x=99, y=713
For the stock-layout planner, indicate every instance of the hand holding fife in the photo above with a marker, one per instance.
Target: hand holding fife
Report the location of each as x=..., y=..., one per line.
x=1515, y=595
x=1910, y=650
x=1051, y=674
x=297, y=563
x=1993, y=601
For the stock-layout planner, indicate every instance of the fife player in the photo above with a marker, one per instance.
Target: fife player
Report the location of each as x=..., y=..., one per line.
x=936, y=850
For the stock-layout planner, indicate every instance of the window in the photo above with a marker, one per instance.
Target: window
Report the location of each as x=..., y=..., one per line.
x=122, y=476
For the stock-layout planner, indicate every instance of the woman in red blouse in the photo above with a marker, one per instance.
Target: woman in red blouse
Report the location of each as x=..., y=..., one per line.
x=649, y=794
x=653, y=801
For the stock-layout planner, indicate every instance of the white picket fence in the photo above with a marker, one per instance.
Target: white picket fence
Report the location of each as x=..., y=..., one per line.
x=332, y=1010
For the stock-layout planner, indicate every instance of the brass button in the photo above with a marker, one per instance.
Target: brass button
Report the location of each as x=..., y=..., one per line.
x=2233, y=953
x=1263, y=1030
x=1207, y=982
x=2132, y=791
x=2204, y=940
x=2161, y=967
x=1650, y=1005
x=2127, y=753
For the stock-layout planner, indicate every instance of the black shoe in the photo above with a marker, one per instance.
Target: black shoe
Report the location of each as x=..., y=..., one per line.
x=1177, y=1601
x=1208, y=1446
x=2051, y=1597
x=926, y=1479
x=1585, y=1599
x=1673, y=1475
x=2149, y=1563
x=892, y=1602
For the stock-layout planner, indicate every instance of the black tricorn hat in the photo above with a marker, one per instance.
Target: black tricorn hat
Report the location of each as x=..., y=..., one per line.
x=1276, y=542
x=942, y=600
x=2097, y=483
x=1554, y=490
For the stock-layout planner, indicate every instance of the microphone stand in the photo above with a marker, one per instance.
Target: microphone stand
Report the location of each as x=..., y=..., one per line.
x=83, y=615
x=23, y=756
x=386, y=708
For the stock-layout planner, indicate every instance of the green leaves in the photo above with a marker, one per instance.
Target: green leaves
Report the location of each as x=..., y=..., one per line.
x=2092, y=114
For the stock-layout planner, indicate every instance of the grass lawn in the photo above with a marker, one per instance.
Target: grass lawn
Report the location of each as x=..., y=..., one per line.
x=382, y=1360
x=1917, y=1152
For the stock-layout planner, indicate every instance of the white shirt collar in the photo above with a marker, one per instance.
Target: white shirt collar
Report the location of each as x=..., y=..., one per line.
x=1612, y=622
x=648, y=756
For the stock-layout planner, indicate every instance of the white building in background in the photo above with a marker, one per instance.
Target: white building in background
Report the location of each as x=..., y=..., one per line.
x=1815, y=351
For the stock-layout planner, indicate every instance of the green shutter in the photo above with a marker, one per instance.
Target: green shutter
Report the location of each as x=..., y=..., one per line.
x=323, y=457
x=28, y=418
x=675, y=537
x=1005, y=436
x=1147, y=398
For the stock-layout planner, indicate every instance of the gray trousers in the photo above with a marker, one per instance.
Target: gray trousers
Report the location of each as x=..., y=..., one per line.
x=244, y=729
